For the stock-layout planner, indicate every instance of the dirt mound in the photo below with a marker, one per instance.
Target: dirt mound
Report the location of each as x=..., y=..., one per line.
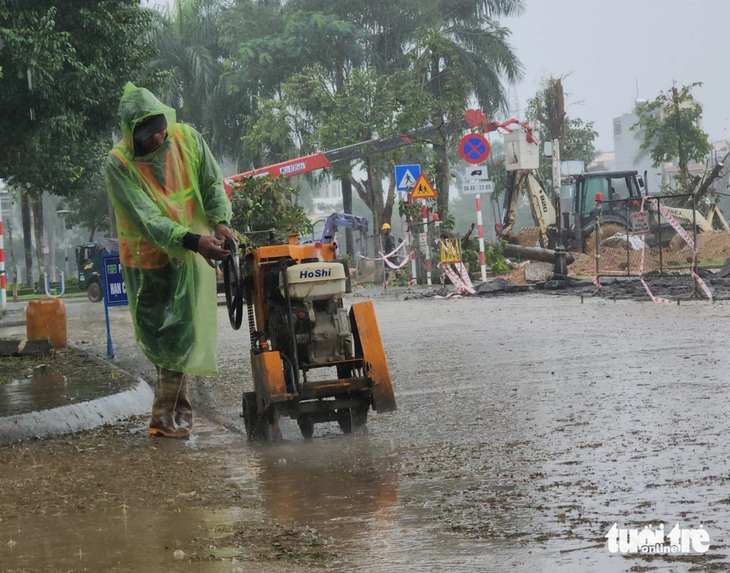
x=516, y=276
x=527, y=237
x=714, y=246
x=713, y=249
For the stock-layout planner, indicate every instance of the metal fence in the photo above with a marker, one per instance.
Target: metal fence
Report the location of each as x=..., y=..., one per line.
x=668, y=234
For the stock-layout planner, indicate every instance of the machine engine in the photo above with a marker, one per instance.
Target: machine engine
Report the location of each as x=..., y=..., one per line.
x=320, y=324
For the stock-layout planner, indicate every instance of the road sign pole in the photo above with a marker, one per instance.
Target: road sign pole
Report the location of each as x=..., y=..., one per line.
x=115, y=292
x=3, y=297
x=414, y=270
x=480, y=226
x=424, y=218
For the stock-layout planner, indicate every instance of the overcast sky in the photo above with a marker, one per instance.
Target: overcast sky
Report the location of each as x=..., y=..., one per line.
x=611, y=51
x=606, y=48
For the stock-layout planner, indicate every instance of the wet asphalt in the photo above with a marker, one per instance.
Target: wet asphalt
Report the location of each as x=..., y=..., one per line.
x=527, y=426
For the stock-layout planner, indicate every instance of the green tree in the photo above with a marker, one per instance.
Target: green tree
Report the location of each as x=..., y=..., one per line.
x=262, y=44
x=86, y=198
x=189, y=68
x=314, y=113
x=461, y=53
x=64, y=65
x=267, y=207
x=670, y=130
x=576, y=137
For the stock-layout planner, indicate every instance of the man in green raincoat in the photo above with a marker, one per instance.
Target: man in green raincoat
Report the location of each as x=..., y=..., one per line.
x=168, y=196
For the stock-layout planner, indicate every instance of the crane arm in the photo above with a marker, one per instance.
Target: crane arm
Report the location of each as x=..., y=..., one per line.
x=325, y=159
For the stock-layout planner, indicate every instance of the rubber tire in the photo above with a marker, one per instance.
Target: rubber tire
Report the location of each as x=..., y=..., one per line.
x=353, y=420
x=94, y=292
x=306, y=427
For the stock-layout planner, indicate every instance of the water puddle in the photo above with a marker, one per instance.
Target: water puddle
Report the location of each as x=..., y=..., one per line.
x=44, y=387
x=352, y=489
x=133, y=539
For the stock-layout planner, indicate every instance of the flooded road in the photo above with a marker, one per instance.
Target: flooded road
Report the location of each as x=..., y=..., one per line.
x=526, y=427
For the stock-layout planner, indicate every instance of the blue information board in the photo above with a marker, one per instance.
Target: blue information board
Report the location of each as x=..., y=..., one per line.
x=115, y=292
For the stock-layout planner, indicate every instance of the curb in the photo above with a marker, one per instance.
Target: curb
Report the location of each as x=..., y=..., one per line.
x=77, y=417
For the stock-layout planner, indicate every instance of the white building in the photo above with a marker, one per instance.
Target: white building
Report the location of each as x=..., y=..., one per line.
x=628, y=153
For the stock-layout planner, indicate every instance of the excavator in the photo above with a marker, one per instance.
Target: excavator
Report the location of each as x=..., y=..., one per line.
x=346, y=221
x=614, y=196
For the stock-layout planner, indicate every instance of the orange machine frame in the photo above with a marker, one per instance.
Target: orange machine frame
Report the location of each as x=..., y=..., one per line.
x=272, y=254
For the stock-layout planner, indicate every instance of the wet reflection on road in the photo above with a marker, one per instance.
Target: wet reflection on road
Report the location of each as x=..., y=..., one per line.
x=134, y=539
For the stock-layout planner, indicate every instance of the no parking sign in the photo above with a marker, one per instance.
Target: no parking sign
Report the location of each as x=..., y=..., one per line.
x=474, y=148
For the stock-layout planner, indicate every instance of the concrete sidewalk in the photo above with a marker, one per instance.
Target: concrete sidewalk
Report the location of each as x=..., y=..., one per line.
x=48, y=401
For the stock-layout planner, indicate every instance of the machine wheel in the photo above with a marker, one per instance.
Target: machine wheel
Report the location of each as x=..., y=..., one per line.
x=306, y=426
x=353, y=419
x=94, y=292
x=233, y=285
x=254, y=424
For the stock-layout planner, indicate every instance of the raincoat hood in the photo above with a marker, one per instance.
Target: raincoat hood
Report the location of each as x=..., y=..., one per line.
x=138, y=104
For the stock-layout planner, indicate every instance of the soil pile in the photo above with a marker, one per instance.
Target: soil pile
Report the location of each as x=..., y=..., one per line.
x=516, y=276
x=713, y=250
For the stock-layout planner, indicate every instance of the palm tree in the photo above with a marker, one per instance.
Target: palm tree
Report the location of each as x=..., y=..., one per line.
x=188, y=61
x=462, y=54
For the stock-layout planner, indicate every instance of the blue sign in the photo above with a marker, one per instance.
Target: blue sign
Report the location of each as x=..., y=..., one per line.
x=115, y=292
x=406, y=177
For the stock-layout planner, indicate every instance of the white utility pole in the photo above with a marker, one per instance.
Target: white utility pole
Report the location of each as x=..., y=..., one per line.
x=3, y=296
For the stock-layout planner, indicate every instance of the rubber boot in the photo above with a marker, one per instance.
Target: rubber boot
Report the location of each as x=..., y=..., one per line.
x=183, y=411
x=169, y=386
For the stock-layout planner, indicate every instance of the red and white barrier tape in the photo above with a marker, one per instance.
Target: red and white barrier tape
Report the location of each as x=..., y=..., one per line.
x=457, y=281
x=382, y=256
x=403, y=263
x=461, y=267
x=682, y=232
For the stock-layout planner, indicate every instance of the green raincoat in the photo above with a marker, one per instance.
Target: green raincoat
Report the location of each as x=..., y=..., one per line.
x=158, y=198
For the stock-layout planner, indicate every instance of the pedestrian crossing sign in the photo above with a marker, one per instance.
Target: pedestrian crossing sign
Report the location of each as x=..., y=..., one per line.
x=423, y=189
x=406, y=176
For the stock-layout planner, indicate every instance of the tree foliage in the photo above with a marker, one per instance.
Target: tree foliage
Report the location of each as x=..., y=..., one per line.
x=262, y=207
x=670, y=129
x=187, y=57
x=546, y=112
x=64, y=64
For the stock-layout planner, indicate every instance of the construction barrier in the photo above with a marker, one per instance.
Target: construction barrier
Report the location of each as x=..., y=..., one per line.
x=666, y=237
